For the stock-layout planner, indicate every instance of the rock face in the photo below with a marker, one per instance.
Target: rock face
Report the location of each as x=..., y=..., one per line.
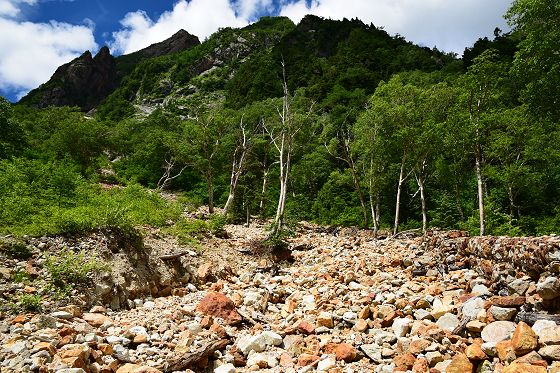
x=88, y=80
x=83, y=82
x=180, y=41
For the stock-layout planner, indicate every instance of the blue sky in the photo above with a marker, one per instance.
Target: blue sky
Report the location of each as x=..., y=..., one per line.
x=37, y=36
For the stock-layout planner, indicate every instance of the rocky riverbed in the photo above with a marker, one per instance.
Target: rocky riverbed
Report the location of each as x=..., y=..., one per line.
x=345, y=302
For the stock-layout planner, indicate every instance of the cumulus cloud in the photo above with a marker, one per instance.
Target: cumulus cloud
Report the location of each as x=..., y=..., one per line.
x=449, y=25
x=11, y=8
x=31, y=52
x=199, y=17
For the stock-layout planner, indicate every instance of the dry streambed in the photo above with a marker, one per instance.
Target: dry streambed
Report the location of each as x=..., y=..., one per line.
x=443, y=302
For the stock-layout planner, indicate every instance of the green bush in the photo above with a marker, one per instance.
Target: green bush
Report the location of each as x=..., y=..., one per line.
x=29, y=302
x=69, y=268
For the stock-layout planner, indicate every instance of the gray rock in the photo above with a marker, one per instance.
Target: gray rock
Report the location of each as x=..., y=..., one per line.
x=498, y=331
x=271, y=338
x=549, y=288
x=519, y=286
x=502, y=313
x=422, y=315
x=434, y=357
x=71, y=370
x=550, y=352
x=448, y=321
x=472, y=307
x=372, y=351
x=480, y=290
x=489, y=348
x=350, y=317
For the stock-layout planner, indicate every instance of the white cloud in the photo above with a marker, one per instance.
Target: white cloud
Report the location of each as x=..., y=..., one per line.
x=449, y=25
x=11, y=8
x=198, y=17
x=31, y=52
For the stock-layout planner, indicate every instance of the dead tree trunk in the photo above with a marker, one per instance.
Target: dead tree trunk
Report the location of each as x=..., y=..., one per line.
x=238, y=164
x=402, y=179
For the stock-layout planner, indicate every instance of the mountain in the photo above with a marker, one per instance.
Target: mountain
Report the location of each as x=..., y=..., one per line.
x=88, y=80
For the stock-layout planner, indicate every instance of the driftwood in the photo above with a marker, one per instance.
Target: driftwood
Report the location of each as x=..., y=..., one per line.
x=173, y=256
x=184, y=361
x=531, y=317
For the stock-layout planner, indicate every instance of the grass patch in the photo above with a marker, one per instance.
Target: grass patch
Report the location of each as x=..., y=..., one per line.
x=68, y=268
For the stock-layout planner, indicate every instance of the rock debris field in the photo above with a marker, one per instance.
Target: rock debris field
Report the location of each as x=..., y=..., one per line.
x=347, y=302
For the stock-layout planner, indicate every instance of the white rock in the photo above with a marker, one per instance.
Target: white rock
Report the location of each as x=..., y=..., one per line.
x=401, y=326
x=271, y=338
x=472, y=307
x=449, y=321
x=62, y=315
x=255, y=343
x=480, y=290
x=372, y=351
x=540, y=325
x=326, y=364
x=498, y=331
x=149, y=305
x=225, y=368
x=502, y=313
x=489, y=348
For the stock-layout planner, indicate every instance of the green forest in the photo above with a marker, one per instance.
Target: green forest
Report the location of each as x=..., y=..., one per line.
x=334, y=122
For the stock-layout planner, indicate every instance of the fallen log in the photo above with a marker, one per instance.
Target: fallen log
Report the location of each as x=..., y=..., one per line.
x=184, y=361
x=532, y=317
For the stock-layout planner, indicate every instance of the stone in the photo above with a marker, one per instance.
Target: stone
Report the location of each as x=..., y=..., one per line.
x=372, y=351
x=225, y=368
x=505, y=351
x=524, y=339
x=307, y=359
x=549, y=288
x=539, y=325
x=474, y=352
x=519, y=286
x=326, y=364
x=550, y=352
x=549, y=336
x=439, y=308
x=263, y=360
x=404, y=362
x=475, y=326
x=346, y=352
x=256, y=343
x=422, y=314
x=449, y=322
x=480, y=290
x=516, y=367
x=325, y=319
x=361, y=325
x=460, y=364
x=472, y=307
x=204, y=271
x=306, y=327
x=418, y=346
x=498, y=331
x=218, y=305
x=96, y=319
x=434, y=357
x=507, y=301
x=502, y=313
x=401, y=326
x=271, y=338
x=489, y=348
x=62, y=315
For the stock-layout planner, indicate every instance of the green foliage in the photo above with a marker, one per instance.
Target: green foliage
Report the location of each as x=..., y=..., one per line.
x=29, y=302
x=16, y=249
x=12, y=136
x=68, y=268
x=191, y=231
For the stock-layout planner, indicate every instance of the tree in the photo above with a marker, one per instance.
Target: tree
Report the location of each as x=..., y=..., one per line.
x=283, y=136
x=205, y=132
x=11, y=132
x=538, y=60
x=482, y=92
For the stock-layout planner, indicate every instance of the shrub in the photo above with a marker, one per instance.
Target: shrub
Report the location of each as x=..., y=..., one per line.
x=29, y=302
x=69, y=268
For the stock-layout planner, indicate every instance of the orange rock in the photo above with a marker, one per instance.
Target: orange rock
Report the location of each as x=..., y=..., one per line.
x=20, y=319
x=404, y=362
x=204, y=271
x=388, y=320
x=306, y=328
x=307, y=359
x=474, y=352
x=45, y=346
x=346, y=352
x=421, y=366
x=361, y=325
x=96, y=319
x=516, y=367
x=418, y=345
x=74, y=362
x=507, y=301
x=286, y=361
x=218, y=305
x=460, y=364
x=364, y=313
x=505, y=350
x=524, y=339
x=77, y=350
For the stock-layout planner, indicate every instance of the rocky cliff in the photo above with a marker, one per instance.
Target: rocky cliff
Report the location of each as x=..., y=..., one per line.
x=87, y=80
